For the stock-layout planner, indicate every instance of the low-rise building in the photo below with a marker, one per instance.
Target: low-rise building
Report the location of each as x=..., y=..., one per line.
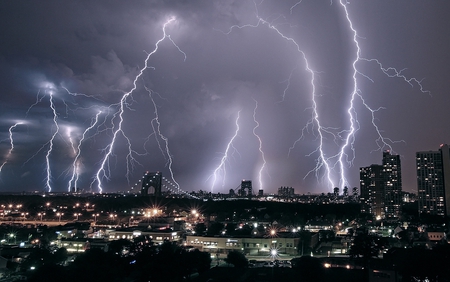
x=249, y=245
x=157, y=236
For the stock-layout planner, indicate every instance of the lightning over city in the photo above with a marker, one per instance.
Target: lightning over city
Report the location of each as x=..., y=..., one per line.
x=48, y=169
x=156, y=126
x=11, y=141
x=344, y=159
x=296, y=94
x=76, y=160
x=260, y=148
x=220, y=171
x=314, y=122
x=104, y=171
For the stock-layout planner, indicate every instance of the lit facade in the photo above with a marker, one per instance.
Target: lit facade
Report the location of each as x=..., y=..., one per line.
x=433, y=169
x=392, y=174
x=157, y=236
x=248, y=245
x=372, y=186
x=381, y=188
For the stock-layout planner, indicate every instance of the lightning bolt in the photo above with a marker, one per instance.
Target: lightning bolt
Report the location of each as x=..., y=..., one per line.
x=75, y=164
x=345, y=138
x=50, y=143
x=11, y=142
x=224, y=158
x=322, y=160
x=260, y=146
x=38, y=100
x=157, y=132
x=349, y=140
x=69, y=136
x=103, y=172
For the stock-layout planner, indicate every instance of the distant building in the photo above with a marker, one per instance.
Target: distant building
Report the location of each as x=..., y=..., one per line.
x=381, y=187
x=284, y=243
x=392, y=174
x=433, y=181
x=286, y=192
x=157, y=236
x=355, y=194
x=371, y=185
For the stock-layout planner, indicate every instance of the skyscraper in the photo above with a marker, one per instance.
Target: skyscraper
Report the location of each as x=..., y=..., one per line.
x=371, y=185
x=433, y=181
x=381, y=187
x=392, y=174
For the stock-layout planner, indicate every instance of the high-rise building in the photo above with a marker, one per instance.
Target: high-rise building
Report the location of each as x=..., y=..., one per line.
x=433, y=181
x=392, y=174
x=372, y=185
x=381, y=187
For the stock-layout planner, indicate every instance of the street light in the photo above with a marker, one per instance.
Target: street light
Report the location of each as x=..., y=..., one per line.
x=113, y=216
x=273, y=253
x=129, y=220
x=95, y=217
x=273, y=232
x=12, y=236
x=41, y=214
x=77, y=215
x=59, y=214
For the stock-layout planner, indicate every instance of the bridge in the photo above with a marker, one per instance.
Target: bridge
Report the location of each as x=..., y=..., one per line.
x=154, y=183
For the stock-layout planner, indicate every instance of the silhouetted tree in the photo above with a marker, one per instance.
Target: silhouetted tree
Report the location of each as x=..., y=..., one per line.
x=215, y=228
x=49, y=273
x=364, y=246
x=237, y=259
x=60, y=255
x=117, y=246
x=308, y=268
x=97, y=265
x=200, y=228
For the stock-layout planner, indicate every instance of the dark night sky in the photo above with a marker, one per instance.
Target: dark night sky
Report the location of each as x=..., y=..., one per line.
x=95, y=49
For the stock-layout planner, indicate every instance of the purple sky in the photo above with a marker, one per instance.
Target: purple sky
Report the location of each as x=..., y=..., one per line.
x=82, y=57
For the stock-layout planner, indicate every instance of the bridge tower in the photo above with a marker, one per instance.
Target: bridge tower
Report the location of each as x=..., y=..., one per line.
x=152, y=180
x=246, y=185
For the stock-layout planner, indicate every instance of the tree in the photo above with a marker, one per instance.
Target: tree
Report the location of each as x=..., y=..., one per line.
x=215, y=228
x=200, y=228
x=49, y=273
x=231, y=227
x=304, y=244
x=237, y=259
x=60, y=256
x=117, y=246
x=364, y=246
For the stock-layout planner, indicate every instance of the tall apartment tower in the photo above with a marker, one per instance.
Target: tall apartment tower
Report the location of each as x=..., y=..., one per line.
x=433, y=181
x=392, y=173
x=372, y=195
x=381, y=187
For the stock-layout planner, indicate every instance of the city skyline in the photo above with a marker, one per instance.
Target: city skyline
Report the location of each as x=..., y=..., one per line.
x=268, y=83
